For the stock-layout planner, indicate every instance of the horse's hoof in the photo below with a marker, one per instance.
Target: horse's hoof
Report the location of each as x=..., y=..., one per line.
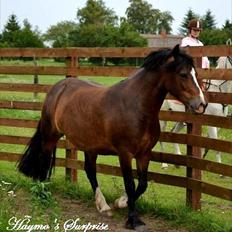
x=107, y=213
x=141, y=228
x=133, y=223
x=121, y=202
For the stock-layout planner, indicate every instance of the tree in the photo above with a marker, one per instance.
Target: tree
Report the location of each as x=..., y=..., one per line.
x=11, y=31
x=27, y=37
x=15, y=36
x=208, y=21
x=127, y=37
x=227, y=28
x=95, y=12
x=184, y=25
x=214, y=37
x=227, y=25
x=145, y=19
x=164, y=22
x=105, y=36
x=142, y=16
x=58, y=34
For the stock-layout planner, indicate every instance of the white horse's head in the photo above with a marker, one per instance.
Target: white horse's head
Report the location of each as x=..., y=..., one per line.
x=224, y=62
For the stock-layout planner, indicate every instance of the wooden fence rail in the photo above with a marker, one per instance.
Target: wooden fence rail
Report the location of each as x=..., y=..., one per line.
x=193, y=140
x=212, y=51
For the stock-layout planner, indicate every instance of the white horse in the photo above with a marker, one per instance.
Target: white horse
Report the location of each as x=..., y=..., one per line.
x=217, y=109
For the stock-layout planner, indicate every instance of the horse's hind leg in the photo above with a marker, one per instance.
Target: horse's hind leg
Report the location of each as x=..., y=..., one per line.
x=90, y=169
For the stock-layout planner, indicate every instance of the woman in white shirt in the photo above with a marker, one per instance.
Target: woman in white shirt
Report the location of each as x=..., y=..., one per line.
x=195, y=27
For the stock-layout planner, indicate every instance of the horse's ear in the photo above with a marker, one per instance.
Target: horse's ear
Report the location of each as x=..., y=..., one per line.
x=173, y=54
x=176, y=50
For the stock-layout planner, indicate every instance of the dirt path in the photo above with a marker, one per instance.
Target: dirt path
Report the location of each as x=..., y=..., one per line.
x=72, y=209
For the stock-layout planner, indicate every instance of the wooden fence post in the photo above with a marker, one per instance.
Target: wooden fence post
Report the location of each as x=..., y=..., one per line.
x=36, y=79
x=71, y=153
x=193, y=197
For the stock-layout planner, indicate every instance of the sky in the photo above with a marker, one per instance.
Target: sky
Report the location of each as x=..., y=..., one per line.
x=44, y=13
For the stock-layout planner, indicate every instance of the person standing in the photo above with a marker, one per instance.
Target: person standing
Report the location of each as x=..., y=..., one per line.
x=195, y=28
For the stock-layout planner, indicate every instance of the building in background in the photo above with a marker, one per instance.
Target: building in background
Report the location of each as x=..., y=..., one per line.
x=162, y=40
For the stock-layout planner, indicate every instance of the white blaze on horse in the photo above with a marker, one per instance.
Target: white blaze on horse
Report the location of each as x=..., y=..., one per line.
x=221, y=86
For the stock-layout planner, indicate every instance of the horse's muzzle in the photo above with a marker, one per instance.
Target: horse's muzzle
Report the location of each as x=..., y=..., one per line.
x=198, y=105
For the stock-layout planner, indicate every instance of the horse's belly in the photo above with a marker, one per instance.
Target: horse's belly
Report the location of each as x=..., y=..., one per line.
x=90, y=143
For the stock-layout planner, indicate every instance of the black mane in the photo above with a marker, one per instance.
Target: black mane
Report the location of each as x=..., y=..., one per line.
x=158, y=58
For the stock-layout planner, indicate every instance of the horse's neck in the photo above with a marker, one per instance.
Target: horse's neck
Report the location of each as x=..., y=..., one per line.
x=149, y=90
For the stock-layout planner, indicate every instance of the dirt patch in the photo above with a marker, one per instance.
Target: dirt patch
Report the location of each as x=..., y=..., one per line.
x=86, y=212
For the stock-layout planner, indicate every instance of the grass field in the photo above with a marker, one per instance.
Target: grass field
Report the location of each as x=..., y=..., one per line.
x=160, y=200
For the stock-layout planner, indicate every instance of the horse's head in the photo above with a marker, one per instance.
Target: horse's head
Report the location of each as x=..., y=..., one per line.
x=181, y=80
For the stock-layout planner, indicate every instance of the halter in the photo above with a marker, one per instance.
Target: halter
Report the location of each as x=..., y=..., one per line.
x=208, y=83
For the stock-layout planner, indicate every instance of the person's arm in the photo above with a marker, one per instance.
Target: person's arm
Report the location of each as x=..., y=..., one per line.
x=205, y=62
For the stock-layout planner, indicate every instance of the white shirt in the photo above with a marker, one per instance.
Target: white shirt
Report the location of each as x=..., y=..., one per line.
x=190, y=41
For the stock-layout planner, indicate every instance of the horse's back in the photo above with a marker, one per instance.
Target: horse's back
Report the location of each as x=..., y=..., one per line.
x=61, y=95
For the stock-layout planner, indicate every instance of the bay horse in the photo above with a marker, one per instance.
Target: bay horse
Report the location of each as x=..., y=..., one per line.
x=220, y=86
x=121, y=119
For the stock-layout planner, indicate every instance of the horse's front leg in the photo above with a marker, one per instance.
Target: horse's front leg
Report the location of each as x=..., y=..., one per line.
x=142, y=163
x=133, y=220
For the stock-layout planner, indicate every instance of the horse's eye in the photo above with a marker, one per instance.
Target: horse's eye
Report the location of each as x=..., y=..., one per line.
x=184, y=75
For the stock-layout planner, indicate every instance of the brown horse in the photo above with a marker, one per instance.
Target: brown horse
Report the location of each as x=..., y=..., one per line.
x=121, y=119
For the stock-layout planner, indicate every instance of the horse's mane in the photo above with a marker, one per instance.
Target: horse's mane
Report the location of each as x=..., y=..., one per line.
x=158, y=58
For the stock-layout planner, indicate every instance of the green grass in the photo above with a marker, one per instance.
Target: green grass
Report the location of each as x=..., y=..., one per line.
x=160, y=200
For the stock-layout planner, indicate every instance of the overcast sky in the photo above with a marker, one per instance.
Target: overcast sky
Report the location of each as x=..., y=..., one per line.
x=44, y=13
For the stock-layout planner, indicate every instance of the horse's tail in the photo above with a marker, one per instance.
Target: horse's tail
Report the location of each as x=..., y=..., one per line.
x=39, y=158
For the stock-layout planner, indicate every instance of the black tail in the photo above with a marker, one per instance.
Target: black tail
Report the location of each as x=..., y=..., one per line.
x=37, y=161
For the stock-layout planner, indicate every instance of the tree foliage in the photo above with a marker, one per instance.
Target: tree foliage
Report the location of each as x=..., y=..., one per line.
x=227, y=27
x=28, y=37
x=58, y=35
x=15, y=36
x=11, y=31
x=95, y=12
x=145, y=19
x=213, y=37
x=164, y=22
x=208, y=21
x=98, y=27
x=184, y=25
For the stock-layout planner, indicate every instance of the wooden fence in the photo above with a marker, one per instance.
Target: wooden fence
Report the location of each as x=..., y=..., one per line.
x=192, y=182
